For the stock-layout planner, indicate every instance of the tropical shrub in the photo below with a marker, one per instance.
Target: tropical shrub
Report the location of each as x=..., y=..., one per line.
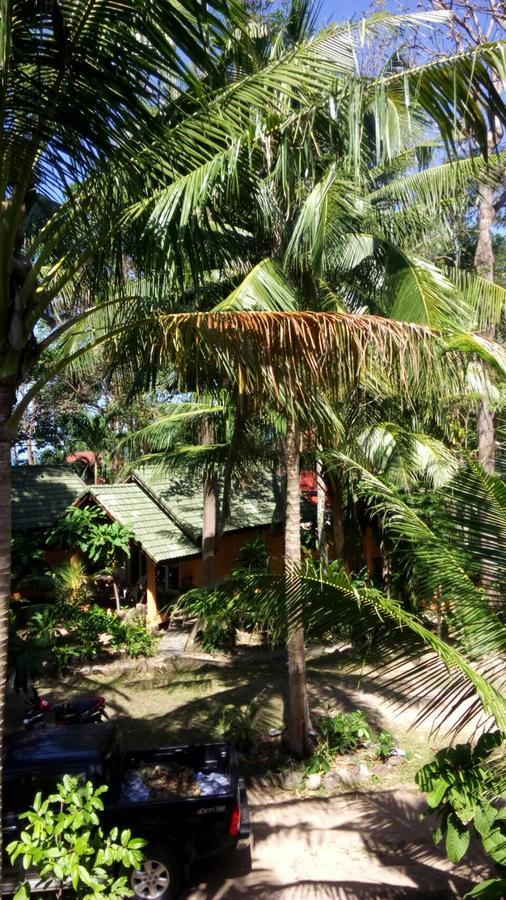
x=63, y=840
x=218, y=634
x=336, y=735
x=28, y=557
x=241, y=724
x=86, y=529
x=218, y=617
x=462, y=791
x=385, y=743
x=64, y=633
x=345, y=731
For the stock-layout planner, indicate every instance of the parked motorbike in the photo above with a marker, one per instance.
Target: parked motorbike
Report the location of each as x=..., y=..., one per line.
x=69, y=712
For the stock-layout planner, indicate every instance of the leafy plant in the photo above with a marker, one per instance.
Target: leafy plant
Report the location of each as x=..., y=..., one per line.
x=337, y=734
x=217, y=635
x=85, y=528
x=28, y=558
x=253, y=555
x=71, y=581
x=344, y=731
x=73, y=529
x=29, y=650
x=65, y=632
x=240, y=724
x=138, y=641
x=321, y=761
x=384, y=745
x=461, y=788
x=63, y=839
x=107, y=540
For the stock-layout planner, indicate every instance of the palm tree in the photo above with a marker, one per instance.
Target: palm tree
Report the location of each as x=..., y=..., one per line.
x=81, y=84
x=93, y=101
x=285, y=200
x=207, y=157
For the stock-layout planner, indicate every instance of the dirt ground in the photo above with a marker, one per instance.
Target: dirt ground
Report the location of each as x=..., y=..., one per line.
x=366, y=843
x=370, y=846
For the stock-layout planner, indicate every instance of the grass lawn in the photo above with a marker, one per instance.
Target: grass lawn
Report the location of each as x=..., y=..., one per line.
x=179, y=701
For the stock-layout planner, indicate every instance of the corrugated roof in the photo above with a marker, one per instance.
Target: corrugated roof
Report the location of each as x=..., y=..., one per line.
x=41, y=494
x=152, y=528
x=250, y=506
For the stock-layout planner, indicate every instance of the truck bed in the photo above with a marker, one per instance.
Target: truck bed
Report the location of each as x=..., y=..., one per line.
x=169, y=774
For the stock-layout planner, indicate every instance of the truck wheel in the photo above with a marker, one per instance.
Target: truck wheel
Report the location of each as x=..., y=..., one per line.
x=160, y=876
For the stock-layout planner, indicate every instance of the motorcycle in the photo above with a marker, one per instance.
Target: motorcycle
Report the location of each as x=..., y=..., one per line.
x=82, y=710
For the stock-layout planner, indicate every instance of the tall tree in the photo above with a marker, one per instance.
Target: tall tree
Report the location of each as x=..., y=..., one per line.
x=470, y=25
x=80, y=83
x=287, y=201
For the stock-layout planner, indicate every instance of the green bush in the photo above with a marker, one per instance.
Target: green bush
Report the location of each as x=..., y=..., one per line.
x=87, y=529
x=240, y=724
x=54, y=638
x=344, y=731
x=461, y=787
x=138, y=641
x=63, y=840
x=218, y=635
x=385, y=743
x=337, y=734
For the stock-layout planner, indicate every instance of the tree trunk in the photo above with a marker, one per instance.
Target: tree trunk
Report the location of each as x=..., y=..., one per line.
x=337, y=519
x=321, y=526
x=484, y=263
x=298, y=724
x=210, y=515
x=209, y=529
x=6, y=402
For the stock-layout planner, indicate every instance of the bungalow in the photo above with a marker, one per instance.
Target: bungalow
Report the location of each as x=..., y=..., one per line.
x=41, y=494
x=165, y=515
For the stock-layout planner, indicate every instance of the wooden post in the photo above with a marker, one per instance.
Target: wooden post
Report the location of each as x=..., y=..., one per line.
x=153, y=616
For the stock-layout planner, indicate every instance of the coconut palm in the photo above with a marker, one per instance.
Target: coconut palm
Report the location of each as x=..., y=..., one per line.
x=215, y=142
x=81, y=86
x=96, y=99
x=283, y=201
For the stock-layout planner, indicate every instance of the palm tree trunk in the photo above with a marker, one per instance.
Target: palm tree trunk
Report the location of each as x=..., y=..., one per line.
x=210, y=514
x=6, y=401
x=484, y=263
x=298, y=724
x=321, y=526
x=209, y=528
x=336, y=497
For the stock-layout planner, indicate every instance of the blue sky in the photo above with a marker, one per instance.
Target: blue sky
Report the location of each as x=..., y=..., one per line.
x=332, y=10
x=342, y=9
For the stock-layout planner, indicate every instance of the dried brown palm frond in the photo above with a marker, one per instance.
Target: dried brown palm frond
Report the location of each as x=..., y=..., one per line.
x=286, y=357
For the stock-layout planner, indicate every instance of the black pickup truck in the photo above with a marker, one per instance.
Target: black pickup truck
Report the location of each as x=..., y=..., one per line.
x=178, y=828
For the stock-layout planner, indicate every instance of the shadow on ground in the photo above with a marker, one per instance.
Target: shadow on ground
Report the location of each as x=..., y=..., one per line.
x=369, y=847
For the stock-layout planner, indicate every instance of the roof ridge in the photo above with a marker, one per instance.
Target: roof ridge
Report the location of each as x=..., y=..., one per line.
x=193, y=534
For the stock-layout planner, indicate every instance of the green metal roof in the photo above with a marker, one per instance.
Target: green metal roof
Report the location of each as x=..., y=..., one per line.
x=152, y=528
x=250, y=506
x=41, y=494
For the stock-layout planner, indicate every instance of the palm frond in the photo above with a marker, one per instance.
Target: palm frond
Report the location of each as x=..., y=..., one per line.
x=265, y=288
x=334, y=603
x=433, y=185
x=457, y=92
x=286, y=357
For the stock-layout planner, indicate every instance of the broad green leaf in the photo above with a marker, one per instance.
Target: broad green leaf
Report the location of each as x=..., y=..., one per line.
x=493, y=889
x=436, y=795
x=484, y=816
x=457, y=838
x=495, y=844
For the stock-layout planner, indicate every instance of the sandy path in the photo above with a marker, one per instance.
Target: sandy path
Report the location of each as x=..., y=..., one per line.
x=345, y=846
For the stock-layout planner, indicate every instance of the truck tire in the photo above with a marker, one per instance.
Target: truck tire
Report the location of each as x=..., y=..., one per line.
x=160, y=876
